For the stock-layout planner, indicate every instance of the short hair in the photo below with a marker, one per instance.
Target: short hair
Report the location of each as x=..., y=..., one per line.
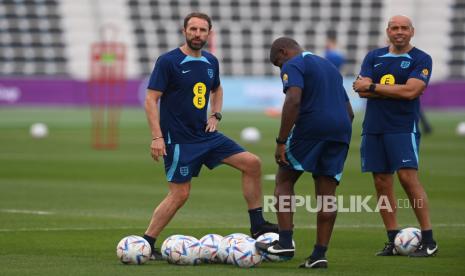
x=198, y=15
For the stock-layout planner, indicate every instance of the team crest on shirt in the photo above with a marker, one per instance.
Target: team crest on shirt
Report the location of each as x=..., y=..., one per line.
x=184, y=170
x=210, y=73
x=404, y=64
x=285, y=78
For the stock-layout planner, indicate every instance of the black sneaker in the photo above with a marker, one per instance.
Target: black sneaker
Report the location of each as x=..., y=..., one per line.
x=156, y=255
x=274, y=248
x=311, y=263
x=264, y=228
x=388, y=250
x=425, y=250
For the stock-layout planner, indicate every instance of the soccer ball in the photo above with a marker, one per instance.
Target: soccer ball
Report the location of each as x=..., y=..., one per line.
x=407, y=240
x=38, y=130
x=461, y=129
x=185, y=250
x=224, y=250
x=166, y=246
x=209, y=246
x=244, y=253
x=133, y=250
x=269, y=238
x=250, y=135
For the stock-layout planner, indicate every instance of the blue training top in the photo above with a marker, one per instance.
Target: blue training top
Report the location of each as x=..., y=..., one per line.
x=394, y=115
x=185, y=82
x=323, y=110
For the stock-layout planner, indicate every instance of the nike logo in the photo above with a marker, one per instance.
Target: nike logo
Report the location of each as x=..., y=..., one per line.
x=276, y=251
x=186, y=71
x=405, y=160
x=432, y=251
x=315, y=263
x=378, y=64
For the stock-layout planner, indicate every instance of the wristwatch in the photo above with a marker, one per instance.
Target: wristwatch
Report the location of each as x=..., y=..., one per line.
x=217, y=115
x=372, y=87
x=281, y=142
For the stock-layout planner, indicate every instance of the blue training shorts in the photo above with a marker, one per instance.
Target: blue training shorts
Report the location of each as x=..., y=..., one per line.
x=321, y=158
x=184, y=161
x=389, y=152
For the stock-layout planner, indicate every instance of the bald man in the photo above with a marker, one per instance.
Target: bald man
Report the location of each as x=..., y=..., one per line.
x=314, y=137
x=392, y=79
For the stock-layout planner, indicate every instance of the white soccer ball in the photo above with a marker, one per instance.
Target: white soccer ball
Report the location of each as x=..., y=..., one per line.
x=185, y=250
x=224, y=254
x=209, y=246
x=133, y=250
x=250, y=135
x=407, y=240
x=461, y=129
x=244, y=253
x=166, y=246
x=38, y=130
x=269, y=238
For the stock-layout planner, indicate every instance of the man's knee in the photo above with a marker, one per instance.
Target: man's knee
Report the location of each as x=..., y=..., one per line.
x=407, y=177
x=252, y=164
x=180, y=194
x=382, y=181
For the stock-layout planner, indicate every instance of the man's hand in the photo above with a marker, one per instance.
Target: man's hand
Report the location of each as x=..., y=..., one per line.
x=158, y=148
x=211, y=124
x=280, y=154
x=361, y=84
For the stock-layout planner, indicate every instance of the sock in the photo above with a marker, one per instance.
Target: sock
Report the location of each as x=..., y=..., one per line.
x=256, y=218
x=427, y=236
x=392, y=234
x=151, y=241
x=285, y=238
x=319, y=252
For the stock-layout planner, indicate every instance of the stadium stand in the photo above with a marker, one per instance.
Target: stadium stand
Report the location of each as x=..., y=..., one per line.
x=31, y=41
x=53, y=37
x=457, y=48
x=244, y=29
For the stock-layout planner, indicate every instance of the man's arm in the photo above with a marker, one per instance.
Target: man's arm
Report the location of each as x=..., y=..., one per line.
x=216, y=99
x=289, y=116
x=216, y=105
x=408, y=91
x=151, y=111
x=360, y=84
x=290, y=112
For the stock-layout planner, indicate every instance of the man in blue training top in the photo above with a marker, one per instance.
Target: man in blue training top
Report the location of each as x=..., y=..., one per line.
x=331, y=52
x=185, y=136
x=314, y=136
x=393, y=78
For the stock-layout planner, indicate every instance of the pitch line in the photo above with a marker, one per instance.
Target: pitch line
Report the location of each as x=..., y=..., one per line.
x=28, y=212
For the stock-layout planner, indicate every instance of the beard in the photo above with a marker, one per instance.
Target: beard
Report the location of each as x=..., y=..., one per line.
x=197, y=45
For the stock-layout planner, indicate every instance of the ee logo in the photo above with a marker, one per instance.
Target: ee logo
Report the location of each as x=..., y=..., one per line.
x=199, y=99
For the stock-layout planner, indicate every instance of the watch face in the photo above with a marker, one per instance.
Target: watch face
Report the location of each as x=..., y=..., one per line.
x=218, y=116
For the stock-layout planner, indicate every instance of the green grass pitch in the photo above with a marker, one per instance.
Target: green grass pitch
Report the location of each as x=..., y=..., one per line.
x=64, y=206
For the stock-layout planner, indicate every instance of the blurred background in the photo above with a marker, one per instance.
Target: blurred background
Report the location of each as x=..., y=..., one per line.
x=46, y=45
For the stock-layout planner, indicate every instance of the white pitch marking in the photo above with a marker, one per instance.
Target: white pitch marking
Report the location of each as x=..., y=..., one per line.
x=270, y=177
x=29, y=212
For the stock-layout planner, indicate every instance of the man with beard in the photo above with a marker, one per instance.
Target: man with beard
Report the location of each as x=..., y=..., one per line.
x=393, y=78
x=183, y=81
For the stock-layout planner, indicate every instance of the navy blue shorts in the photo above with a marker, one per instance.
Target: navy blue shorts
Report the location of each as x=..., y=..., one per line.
x=184, y=161
x=389, y=152
x=321, y=158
